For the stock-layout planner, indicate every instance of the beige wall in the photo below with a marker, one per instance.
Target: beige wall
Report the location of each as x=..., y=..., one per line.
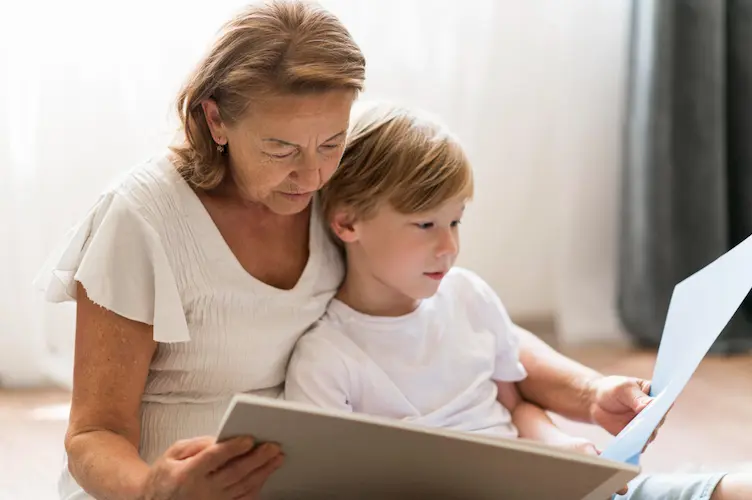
x=533, y=88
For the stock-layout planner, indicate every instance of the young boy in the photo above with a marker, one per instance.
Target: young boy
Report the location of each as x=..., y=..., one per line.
x=409, y=336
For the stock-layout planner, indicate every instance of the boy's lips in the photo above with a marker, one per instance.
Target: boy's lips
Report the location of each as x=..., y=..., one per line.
x=436, y=275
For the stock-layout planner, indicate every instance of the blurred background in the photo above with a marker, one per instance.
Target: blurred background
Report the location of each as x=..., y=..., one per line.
x=610, y=140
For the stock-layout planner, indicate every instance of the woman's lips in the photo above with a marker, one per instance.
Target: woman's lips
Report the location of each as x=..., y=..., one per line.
x=296, y=196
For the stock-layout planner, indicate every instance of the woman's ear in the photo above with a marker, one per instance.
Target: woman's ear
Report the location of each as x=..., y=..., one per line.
x=214, y=121
x=343, y=225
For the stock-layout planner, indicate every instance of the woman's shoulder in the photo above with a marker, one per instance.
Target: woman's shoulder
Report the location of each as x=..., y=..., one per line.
x=153, y=188
x=118, y=253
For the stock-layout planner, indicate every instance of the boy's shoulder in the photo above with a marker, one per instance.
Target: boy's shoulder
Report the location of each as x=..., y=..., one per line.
x=326, y=339
x=324, y=333
x=461, y=279
x=465, y=288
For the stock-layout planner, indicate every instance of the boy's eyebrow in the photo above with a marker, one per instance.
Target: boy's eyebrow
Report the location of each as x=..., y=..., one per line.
x=286, y=143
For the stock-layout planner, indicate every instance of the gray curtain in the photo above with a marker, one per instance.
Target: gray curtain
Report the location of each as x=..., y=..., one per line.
x=687, y=176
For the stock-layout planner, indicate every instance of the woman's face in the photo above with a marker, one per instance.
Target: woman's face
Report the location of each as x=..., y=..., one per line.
x=286, y=147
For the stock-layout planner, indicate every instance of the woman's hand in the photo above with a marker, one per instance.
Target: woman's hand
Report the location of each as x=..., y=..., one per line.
x=616, y=400
x=200, y=468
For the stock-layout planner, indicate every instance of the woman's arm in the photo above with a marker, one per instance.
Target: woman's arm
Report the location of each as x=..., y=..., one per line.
x=111, y=363
x=555, y=382
x=561, y=385
x=112, y=357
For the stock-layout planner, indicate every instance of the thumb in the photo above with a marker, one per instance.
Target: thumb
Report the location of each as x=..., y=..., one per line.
x=591, y=449
x=636, y=398
x=189, y=447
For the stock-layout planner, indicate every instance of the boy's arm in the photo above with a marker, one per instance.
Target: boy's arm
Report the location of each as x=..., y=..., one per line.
x=509, y=370
x=533, y=423
x=546, y=378
x=318, y=375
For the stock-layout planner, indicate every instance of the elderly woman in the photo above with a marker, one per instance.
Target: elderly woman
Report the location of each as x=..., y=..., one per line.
x=197, y=272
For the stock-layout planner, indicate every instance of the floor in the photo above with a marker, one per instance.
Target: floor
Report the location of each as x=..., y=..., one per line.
x=707, y=429
x=32, y=426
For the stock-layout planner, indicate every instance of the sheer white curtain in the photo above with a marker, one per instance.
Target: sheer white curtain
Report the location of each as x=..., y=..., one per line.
x=533, y=89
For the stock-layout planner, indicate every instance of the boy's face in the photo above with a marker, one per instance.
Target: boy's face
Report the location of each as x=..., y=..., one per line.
x=406, y=255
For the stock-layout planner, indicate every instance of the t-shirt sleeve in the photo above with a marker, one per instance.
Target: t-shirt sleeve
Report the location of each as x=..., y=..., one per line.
x=317, y=374
x=119, y=259
x=493, y=315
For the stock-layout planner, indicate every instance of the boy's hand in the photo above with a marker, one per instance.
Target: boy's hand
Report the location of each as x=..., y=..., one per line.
x=579, y=445
x=585, y=446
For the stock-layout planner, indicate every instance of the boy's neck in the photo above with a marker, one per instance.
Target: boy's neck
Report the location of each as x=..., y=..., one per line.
x=365, y=293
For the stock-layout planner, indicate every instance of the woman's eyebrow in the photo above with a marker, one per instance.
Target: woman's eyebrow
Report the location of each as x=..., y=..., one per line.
x=287, y=143
x=335, y=136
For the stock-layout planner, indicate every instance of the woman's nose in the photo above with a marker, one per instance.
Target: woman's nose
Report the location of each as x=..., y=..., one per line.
x=308, y=175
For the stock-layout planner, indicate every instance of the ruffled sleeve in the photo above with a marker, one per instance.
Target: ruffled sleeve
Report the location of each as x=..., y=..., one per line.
x=119, y=259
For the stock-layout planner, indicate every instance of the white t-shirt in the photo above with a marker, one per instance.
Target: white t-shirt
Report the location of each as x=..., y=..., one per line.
x=435, y=366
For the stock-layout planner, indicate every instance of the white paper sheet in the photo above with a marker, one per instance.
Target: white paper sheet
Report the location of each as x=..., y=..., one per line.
x=701, y=306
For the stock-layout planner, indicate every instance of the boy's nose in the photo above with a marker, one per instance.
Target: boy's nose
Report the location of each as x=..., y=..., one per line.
x=448, y=244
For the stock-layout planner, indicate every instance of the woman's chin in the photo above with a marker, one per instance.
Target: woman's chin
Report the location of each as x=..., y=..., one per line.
x=286, y=204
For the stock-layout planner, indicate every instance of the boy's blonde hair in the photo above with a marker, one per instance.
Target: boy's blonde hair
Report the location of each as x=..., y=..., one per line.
x=397, y=156
x=275, y=47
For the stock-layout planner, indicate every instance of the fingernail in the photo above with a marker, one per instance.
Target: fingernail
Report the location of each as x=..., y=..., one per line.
x=270, y=448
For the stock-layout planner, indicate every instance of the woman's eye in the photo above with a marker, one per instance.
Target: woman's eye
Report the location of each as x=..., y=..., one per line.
x=280, y=156
x=330, y=146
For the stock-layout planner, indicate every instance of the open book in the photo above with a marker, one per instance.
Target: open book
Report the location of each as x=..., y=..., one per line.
x=333, y=455
x=346, y=456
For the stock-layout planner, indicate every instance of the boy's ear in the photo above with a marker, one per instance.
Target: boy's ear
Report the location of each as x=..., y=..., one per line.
x=343, y=225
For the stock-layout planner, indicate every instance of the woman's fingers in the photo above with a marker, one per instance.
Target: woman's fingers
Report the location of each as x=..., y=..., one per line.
x=187, y=448
x=218, y=454
x=251, y=485
x=238, y=469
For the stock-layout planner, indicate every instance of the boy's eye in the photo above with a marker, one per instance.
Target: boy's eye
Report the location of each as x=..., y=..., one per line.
x=456, y=223
x=424, y=225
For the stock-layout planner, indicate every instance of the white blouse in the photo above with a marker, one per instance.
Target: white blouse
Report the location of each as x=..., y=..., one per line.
x=149, y=251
